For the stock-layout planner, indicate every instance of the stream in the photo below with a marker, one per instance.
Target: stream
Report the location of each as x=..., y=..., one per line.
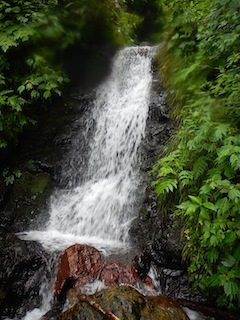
x=99, y=207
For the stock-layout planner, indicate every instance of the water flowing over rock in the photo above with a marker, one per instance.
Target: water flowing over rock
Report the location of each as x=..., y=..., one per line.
x=125, y=303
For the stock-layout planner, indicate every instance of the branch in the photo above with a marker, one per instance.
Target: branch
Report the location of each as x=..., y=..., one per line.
x=208, y=310
x=107, y=314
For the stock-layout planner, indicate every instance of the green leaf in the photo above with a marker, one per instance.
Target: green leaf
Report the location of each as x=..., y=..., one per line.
x=221, y=131
x=21, y=89
x=196, y=200
x=191, y=209
x=205, y=189
x=35, y=94
x=229, y=261
x=29, y=86
x=235, y=161
x=231, y=288
x=209, y=205
x=213, y=255
x=214, y=280
x=204, y=214
x=58, y=92
x=3, y=143
x=230, y=237
x=17, y=107
x=213, y=240
x=237, y=253
x=234, y=194
x=223, y=205
x=166, y=185
x=46, y=94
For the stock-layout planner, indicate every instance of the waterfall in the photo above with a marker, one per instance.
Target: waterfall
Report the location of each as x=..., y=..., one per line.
x=100, y=209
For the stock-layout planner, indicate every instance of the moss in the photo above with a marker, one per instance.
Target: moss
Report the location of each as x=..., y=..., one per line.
x=127, y=304
x=3, y=294
x=29, y=184
x=40, y=183
x=26, y=199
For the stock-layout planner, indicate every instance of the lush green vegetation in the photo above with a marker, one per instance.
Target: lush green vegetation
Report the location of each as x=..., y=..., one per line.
x=33, y=38
x=198, y=176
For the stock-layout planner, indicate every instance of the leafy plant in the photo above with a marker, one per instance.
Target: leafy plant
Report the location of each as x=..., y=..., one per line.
x=10, y=177
x=198, y=176
x=33, y=37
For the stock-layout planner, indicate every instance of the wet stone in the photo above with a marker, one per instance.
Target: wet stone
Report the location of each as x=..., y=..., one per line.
x=23, y=266
x=115, y=272
x=125, y=303
x=79, y=263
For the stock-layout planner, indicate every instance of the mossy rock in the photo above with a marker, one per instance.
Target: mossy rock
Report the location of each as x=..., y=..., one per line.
x=31, y=184
x=127, y=304
x=27, y=198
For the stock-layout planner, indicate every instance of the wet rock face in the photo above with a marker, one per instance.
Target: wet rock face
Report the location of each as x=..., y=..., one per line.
x=23, y=265
x=27, y=198
x=80, y=264
x=158, y=237
x=127, y=304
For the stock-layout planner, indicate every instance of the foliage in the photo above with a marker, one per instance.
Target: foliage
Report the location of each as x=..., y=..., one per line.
x=198, y=176
x=34, y=36
x=10, y=177
x=151, y=13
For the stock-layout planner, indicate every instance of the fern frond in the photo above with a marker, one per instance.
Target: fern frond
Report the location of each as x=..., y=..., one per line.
x=222, y=130
x=200, y=166
x=165, y=171
x=166, y=185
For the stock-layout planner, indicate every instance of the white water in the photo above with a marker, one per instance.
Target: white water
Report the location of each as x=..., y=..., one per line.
x=100, y=210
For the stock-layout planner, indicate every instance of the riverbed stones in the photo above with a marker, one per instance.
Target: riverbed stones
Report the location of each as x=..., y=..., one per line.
x=82, y=264
x=126, y=303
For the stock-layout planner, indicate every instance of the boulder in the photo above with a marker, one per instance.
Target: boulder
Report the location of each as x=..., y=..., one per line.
x=115, y=272
x=126, y=304
x=82, y=264
x=79, y=264
x=23, y=266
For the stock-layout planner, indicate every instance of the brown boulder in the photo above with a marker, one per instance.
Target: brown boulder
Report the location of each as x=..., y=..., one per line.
x=115, y=272
x=79, y=263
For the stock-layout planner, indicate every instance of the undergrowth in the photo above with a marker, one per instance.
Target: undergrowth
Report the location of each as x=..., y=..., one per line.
x=34, y=36
x=198, y=176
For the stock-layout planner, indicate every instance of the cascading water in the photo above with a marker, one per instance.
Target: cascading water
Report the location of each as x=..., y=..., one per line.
x=99, y=210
